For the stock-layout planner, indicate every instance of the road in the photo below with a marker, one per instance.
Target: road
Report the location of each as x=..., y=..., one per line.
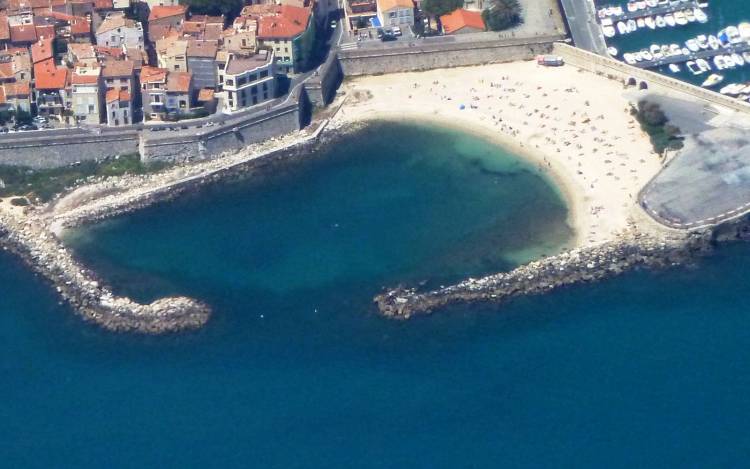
x=581, y=18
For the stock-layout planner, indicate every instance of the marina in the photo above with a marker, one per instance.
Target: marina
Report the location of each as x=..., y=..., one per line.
x=662, y=9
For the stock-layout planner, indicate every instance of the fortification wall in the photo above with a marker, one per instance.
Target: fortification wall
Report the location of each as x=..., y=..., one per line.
x=622, y=71
x=412, y=57
x=42, y=152
x=231, y=136
x=321, y=88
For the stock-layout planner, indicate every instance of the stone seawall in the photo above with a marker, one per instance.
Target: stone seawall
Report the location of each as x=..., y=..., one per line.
x=410, y=58
x=211, y=142
x=43, y=152
x=575, y=266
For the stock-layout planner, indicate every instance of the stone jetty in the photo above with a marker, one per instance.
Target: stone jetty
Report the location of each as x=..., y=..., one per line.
x=571, y=267
x=46, y=255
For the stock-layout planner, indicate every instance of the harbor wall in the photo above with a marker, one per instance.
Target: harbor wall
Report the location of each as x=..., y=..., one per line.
x=51, y=151
x=621, y=71
x=231, y=136
x=410, y=57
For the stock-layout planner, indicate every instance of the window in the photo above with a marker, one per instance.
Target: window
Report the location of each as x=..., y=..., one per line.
x=253, y=77
x=254, y=90
x=265, y=86
x=176, y=66
x=241, y=81
x=230, y=82
x=264, y=73
x=244, y=43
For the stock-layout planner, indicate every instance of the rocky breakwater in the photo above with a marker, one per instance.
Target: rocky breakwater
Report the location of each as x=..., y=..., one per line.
x=580, y=265
x=45, y=254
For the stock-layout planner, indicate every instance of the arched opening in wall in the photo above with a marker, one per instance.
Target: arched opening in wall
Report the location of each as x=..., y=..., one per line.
x=632, y=81
x=643, y=85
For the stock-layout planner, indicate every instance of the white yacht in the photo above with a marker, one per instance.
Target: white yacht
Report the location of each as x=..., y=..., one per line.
x=712, y=80
x=622, y=28
x=608, y=31
x=629, y=59
x=674, y=68
x=703, y=65
x=713, y=42
x=693, y=68
x=612, y=51
x=700, y=15
x=640, y=22
x=669, y=18
x=746, y=56
x=646, y=55
x=744, y=29
x=692, y=44
x=702, y=41
x=680, y=18
x=738, y=60
x=674, y=49
x=719, y=62
x=650, y=23
x=632, y=26
x=660, y=22
x=690, y=15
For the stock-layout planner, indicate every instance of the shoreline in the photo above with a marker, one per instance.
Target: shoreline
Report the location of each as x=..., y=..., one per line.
x=564, y=187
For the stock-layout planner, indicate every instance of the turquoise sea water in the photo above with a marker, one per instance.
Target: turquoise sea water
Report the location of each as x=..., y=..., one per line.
x=297, y=370
x=721, y=13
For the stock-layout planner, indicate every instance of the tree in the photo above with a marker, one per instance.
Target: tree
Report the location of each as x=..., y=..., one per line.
x=440, y=7
x=502, y=14
x=229, y=8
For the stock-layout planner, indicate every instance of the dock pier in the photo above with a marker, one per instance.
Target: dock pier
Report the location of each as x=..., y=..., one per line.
x=655, y=11
x=702, y=54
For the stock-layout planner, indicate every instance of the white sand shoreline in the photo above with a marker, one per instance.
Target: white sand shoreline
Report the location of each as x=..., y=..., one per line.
x=574, y=124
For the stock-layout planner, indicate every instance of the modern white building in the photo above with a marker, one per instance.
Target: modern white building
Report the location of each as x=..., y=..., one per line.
x=248, y=80
x=86, y=94
x=116, y=31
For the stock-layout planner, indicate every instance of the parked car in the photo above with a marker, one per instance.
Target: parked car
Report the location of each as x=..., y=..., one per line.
x=4, y=130
x=40, y=120
x=396, y=30
x=380, y=33
x=388, y=37
x=334, y=23
x=26, y=127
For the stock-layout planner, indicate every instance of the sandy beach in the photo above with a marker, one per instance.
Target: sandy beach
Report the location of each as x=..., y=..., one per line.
x=574, y=125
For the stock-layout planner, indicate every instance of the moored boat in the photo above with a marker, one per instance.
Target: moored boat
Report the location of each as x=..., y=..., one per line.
x=712, y=80
x=674, y=68
x=700, y=15
x=612, y=51
x=659, y=20
x=703, y=65
x=650, y=23
x=694, y=69
x=669, y=18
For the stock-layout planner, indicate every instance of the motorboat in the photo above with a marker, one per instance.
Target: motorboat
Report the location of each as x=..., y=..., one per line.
x=638, y=56
x=632, y=26
x=734, y=34
x=733, y=89
x=744, y=29
x=692, y=44
x=669, y=18
x=700, y=15
x=632, y=7
x=694, y=69
x=712, y=80
x=702, y=41
x=650, y=23
x=640, y=22
x=674, y=68
x=647, y=55
x=723, y=37
x=622, y=28
x=660, y=22
x=652, y=3
x=719, y=62
x=629, y=59
x=703, y=65
x=655, y=49
x=685, y=51
x=680, y=18
x=689, y=15
x=713, y=42
x=608, y=31
x=641, y=5
x=746, y=56
x=674, y=49
x=612, y=51
x=738, y=60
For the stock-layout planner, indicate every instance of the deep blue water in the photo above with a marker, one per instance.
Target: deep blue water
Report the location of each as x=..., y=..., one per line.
x=297, y=370
x=721, y=13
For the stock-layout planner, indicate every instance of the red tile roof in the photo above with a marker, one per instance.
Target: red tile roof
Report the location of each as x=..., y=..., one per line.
x=103, y=5
x=6, y=70
x=159, y=12
x=179, y=82
x=151, y=74
x=20, y=90
x=4, y=27
x=117, y=68
x=41, y=50
x=80, y=26
x=23, y=33
x=117, y=95
x=47, y=76
x=45, y=31
x=459, y=19
x=85, y=79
